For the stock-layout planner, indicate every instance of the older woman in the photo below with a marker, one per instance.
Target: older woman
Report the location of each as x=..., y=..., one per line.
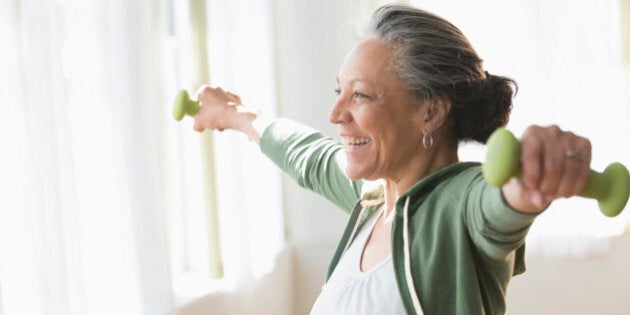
x=435, y=238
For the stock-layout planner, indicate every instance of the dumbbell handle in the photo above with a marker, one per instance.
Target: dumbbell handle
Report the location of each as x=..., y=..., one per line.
x=611, y=188
x=183, y=105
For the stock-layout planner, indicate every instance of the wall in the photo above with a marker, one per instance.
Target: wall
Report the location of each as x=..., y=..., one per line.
x=272, y=294
x=595, y=284
x=625, y=33
x=308, y=56
x=312, y=38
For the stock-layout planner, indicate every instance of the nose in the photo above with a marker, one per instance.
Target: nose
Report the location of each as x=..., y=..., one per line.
x=339, y=114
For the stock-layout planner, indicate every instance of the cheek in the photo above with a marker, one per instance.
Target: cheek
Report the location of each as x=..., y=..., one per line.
x=395, y=137
x=373, y=122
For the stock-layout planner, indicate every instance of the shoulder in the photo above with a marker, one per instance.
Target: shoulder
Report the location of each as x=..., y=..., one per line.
x=446, y=190
x=459, y=177
x=466, y=173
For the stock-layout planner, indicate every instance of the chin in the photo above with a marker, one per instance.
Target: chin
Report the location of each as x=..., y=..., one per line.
x=353, y=174
x=354, y=178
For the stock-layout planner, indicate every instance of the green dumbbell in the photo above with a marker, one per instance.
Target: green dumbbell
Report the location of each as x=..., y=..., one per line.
x=184, y=106
x=611, y=188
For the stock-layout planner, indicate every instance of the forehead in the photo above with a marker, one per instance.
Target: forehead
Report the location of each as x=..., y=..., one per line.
x=369, y=60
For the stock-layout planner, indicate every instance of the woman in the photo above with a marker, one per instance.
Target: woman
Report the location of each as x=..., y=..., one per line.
x=434, y=238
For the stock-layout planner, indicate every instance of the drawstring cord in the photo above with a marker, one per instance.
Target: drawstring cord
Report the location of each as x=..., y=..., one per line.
x=408, y=277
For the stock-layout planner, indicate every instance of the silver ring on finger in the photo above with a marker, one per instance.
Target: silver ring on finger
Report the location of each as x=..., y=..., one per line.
x=571, y=154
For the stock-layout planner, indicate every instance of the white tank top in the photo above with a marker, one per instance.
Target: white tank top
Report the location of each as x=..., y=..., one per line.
x=350, y=291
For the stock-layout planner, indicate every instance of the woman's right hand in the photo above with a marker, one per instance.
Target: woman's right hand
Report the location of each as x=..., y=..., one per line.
x=555, y=164
x=218, y=109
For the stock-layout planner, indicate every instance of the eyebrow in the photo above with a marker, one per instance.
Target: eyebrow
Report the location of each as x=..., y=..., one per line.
x=355, y=80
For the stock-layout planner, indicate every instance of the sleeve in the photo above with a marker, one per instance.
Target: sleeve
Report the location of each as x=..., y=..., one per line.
x=312, y=160
x=496, y=229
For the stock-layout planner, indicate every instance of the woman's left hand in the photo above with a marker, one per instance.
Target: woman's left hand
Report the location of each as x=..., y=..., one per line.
x=554, y=163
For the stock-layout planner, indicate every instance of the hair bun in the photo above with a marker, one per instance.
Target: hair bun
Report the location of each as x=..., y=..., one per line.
x=491, y=97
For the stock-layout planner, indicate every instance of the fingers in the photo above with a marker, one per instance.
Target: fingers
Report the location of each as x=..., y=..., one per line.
x=214, y=105
x=554, y=163
x=208, y=94
x=577, y=160
x=552, y=160
x=235, y=98
x=532, y=157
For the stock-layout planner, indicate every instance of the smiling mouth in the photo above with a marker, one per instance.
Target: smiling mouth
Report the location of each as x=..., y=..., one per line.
x=354, y=142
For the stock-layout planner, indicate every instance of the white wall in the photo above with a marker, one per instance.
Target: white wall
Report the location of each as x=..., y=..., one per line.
x=272, y=294
x=309, y=52
x=595, y=284
x=311, y=42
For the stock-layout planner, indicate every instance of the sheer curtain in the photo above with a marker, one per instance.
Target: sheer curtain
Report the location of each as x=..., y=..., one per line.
x=82, y=228
x=250, y=196
x=228, y=248
x=567, y=58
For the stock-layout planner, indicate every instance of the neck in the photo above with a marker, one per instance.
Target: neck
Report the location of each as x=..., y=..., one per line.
x=424, y=165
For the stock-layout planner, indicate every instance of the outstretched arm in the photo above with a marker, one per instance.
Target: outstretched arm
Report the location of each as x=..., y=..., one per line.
x=554, y=164
x=303, y=153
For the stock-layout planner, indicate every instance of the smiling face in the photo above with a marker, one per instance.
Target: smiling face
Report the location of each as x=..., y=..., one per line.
x=380, y=124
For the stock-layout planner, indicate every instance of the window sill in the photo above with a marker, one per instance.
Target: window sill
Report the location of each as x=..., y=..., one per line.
x=191, y=286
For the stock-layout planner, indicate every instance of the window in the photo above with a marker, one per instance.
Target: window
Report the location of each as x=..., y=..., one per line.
x=82, y=200
x=225, y=218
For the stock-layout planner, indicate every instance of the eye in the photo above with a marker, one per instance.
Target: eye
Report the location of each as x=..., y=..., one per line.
x=360, y=95
x=338, y=91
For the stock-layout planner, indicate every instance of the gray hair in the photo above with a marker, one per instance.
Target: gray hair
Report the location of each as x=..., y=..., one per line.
x=436, y=60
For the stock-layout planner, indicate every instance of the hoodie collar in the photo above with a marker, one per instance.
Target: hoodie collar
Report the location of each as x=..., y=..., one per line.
x=428, y=183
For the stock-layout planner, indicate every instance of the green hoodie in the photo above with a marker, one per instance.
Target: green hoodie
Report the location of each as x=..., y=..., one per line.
x=455, y=241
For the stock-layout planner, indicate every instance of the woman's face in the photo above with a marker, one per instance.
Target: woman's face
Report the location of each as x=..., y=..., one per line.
x=380, y=124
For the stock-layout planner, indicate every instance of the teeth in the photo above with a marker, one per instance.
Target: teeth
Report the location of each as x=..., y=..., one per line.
x=348, y=141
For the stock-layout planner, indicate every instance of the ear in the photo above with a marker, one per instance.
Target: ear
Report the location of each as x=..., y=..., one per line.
x=435, y=114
